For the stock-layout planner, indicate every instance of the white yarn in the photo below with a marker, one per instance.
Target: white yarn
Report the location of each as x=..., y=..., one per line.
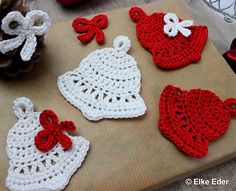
x=25, y=31
x=106, y=84
x=173, y=26
x=31, y=169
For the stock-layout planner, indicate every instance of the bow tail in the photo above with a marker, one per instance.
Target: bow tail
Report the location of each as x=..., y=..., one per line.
x=11, y=44
x=64, y=141
x=29, y=47
x=184, y=31
x=86, y=38
x=99, y=36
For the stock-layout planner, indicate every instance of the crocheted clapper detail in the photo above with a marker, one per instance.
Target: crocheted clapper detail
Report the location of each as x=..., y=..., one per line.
x=168, y=52
x=31, y=169
x=26, y=30
x=106, y=84
x=91, y=28
x=192, y=119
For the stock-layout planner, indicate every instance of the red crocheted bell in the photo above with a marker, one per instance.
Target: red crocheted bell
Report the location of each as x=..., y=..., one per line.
x=173, y=43
x=192, y=119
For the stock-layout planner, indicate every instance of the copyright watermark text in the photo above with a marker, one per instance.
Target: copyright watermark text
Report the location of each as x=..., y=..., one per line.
x=206, y=182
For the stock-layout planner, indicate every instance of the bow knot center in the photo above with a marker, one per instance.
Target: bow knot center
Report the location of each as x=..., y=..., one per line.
x=173, y=25
x=56, y=130
x=53, y=132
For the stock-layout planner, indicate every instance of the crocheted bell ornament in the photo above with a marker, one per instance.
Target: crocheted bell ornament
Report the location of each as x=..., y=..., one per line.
x=192, y=119
x=43, y=156
x=173, y=43
x=26, y=31
x=106, y=84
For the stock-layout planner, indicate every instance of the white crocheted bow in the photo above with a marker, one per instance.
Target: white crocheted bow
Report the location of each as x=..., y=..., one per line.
x=173, y=26
x=25, y=30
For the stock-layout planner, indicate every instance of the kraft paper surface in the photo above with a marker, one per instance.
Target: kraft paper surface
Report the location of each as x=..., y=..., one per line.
x=125, y=154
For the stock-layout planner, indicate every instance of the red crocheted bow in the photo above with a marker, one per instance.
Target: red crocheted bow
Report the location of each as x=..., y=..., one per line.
x=168, y=52
x=91, y=28
x=192, y=119
x=53, y=132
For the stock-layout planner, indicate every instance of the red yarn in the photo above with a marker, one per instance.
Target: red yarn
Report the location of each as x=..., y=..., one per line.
x=91, y=28
x=53, y=132
x=192, y=119
x=168, y=52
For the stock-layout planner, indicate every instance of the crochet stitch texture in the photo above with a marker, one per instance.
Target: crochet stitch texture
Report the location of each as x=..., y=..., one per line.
x=106, y=84
x=31, y=169
x=168, y=52
x=192, y=119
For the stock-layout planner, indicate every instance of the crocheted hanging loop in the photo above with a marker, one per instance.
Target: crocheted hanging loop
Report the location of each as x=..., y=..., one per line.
x=23, y=107
x=25, y=30
x=173, y=25
x=137, y=14
x=231, y=103
x=91, y=28
x=52, y=134
x=122, y=43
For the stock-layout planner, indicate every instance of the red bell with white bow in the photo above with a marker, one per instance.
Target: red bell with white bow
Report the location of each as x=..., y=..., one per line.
x=173, y=42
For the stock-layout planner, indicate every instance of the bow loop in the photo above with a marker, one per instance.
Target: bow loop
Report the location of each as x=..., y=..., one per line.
x=45, y=141
x=171, y=18
x=13, y=18
x=173, y=25
x=38, y=21
x=81, y=25
x=26, y=28
x=48, y=119
x=100, y=21
x=53, y=132
x=90, y=28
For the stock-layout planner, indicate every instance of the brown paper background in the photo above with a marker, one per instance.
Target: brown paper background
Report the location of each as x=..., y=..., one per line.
x=124, y=154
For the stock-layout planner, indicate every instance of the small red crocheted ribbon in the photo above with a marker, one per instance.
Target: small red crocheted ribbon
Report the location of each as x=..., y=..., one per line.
x=91, y=28
x=53, y=132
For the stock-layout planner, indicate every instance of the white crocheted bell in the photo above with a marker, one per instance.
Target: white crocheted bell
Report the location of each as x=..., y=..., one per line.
x=31, y=169
x=106, y=84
